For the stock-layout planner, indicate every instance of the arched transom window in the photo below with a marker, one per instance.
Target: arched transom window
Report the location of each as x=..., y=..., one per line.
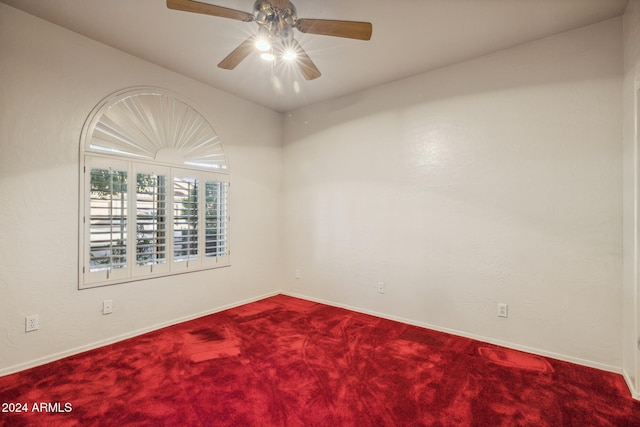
x=154, y=190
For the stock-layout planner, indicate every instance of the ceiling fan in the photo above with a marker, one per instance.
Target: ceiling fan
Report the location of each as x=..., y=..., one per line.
x=276, y=21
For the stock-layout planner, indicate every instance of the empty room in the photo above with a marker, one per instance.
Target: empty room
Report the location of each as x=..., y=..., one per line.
x=298, y=213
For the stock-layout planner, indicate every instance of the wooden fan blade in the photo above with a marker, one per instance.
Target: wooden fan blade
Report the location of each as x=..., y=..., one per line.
x=327, y=27
x=307, y=67
x=209, y=9
x=238, y=54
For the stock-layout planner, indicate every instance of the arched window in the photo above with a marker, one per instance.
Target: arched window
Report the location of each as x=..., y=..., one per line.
x=154, y=190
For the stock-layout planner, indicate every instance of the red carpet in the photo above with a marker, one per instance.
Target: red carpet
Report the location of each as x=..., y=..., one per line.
x=288, y=362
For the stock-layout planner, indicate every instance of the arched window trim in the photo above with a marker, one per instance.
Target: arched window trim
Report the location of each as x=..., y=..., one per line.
x=154, y=190
x=172, y=126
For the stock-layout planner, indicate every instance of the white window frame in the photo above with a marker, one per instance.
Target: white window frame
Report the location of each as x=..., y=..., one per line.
x=133, y=271
x=167, y=162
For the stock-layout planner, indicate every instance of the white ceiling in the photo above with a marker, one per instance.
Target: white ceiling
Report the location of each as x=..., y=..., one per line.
x=409, y=37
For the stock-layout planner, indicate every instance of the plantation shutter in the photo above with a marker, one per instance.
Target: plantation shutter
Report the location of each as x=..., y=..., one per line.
x=216, y=248
x=151, y=207
x=185, y=219
x=106, y=220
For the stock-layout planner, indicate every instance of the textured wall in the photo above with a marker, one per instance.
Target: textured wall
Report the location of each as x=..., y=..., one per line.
x=50, y=79
x=495, y=180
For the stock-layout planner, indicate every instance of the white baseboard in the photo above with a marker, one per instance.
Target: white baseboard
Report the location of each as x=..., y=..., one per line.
x=61, y=355
x=112, y=340
x=635, y=394
x=566, y=358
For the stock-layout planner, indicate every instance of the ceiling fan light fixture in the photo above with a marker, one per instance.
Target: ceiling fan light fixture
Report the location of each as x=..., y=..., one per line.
x=276, y=20
x=268, y=56
x=289, y=55
x=263, y=44
x=263, y=40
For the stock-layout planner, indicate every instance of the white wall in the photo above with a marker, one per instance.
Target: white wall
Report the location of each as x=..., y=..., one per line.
x=630, y=302
x=50, y=79
x=494, y=180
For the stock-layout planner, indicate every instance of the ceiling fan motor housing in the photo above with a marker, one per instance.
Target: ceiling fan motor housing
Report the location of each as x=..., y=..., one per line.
x=279, y=21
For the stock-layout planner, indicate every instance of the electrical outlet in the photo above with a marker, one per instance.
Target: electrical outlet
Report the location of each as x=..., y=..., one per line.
x=503, y=310
x=381, y=287
x=297, y=273
x=107, y=306
x=32, y=323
